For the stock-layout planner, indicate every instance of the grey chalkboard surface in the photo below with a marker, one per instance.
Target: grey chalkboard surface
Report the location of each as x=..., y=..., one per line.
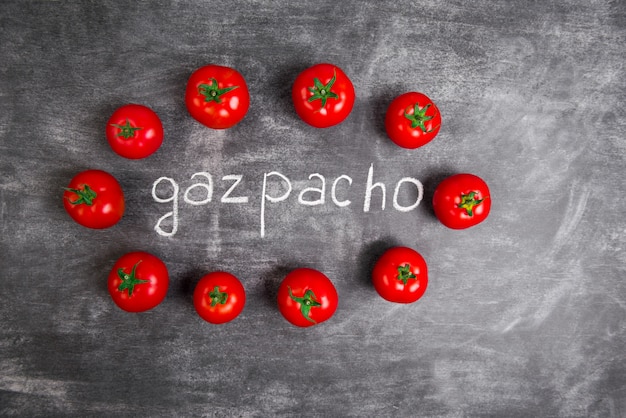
x=525, y=314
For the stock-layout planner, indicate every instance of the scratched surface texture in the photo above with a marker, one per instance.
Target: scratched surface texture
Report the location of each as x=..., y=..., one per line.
x=525, y=314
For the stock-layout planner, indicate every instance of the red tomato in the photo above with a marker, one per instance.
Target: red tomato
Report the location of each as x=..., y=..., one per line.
x=307, y=297
x=323, y=95
x=461, y=201
x=217, y=96
x=219, y=297
x=134, y=131
x=400, y=275
x=412, y=120
x=138, y=281
x=94, y=199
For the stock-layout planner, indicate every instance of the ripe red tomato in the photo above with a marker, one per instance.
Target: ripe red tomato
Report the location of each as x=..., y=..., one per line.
x=323, y=95
x=138, y=281
x=219, y=297
x=461, y=201
x=134, y=131
x=400, y=275
x=94, y=199
x=412, y=120
x=307, y=297
x=217, y=96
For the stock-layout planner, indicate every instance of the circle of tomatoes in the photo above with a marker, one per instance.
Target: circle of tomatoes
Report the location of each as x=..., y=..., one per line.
x=94, y=199
x=323, y=95
x=219, y=297
x=400, y=275
x=461, y=201
x=217, y=96
x=138, y=281
x=307, y=297
x=134, y=131
x=412, y=120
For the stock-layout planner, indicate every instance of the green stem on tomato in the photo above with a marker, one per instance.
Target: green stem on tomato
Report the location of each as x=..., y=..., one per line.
x=418, y=118
x=85, y=195
x=469, y=202
x=217, y=296
x=322, y=92
x=129, y=281
x=127, y=130
x=212, y=92
x=404, y=273
x=306, y=302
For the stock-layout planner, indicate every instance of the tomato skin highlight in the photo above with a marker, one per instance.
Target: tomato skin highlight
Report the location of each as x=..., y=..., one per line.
x=94, y=199
x=397, y=263
x=138, y=281
x=134, y=131
x=219, y=297
x=306, y=297
x=217, y=96
x=323, y=95
x=412, y=120
x=462, y=201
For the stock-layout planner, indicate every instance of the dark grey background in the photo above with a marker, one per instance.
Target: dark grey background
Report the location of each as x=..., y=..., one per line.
x=524, y=314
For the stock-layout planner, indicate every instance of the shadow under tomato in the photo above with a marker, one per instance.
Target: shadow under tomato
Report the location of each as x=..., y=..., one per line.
x=430, y=184
x=369, y=255
x=381, y=101
x=181, y=290
x=186, y=284
x=282, y=79
x=272, y=280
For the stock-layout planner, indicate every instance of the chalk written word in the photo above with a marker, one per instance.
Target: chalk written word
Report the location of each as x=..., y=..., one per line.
x=201, y=193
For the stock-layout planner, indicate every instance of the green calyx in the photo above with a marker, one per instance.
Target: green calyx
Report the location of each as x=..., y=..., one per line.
x=419, y=118
x=129, y=281
x=212, y=92
x=322, y=92
x=469, y=202
x=127, y=130
x=306, y=302
x=85, y=195
x=218, y=297
x=404, y=274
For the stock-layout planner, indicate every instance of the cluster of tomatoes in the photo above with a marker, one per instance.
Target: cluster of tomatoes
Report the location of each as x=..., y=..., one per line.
x=218, y=97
